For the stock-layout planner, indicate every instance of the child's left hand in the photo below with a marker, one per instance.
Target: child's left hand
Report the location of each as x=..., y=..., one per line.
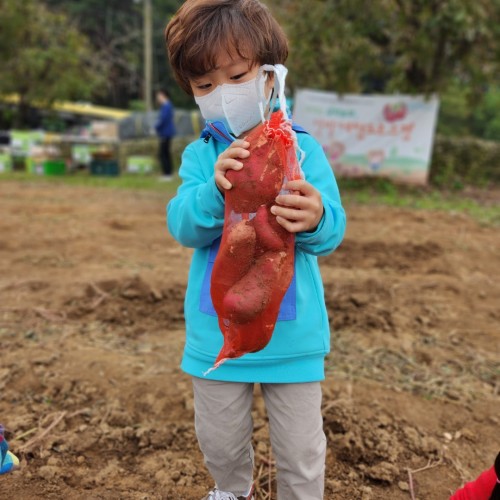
x=300, y=211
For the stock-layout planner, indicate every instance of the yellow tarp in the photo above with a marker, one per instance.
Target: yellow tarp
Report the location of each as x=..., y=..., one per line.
x=79, y=108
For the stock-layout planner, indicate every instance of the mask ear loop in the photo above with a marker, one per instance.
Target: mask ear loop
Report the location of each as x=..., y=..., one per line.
x=280, y=73
x=265, y=105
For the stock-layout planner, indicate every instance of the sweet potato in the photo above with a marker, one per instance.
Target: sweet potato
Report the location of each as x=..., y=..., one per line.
x=270, y=235
x=249, y=296
x=233, y=260
x=254, y=335
x=259, y=181
x=241, y=339
x=255, y=266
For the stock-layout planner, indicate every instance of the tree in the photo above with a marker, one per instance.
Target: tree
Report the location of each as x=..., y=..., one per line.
x=44, y=57
x=411, y=46
x=328, y=50
x=114, y=29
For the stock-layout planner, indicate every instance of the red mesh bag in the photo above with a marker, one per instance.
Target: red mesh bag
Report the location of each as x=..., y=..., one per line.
x=254, y=266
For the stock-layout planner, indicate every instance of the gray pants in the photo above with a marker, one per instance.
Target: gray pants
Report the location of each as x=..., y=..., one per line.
x=224, y=426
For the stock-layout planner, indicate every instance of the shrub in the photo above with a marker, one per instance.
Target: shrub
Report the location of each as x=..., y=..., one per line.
x=464, y=160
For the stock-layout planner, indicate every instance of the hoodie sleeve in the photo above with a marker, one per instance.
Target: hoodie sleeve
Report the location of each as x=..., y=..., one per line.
x=195, y=216
x=318, y=172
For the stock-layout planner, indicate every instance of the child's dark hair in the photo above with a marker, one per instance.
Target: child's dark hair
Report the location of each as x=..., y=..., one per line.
x=202, y=29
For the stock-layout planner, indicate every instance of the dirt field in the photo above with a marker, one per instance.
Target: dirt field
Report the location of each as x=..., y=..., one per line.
x=91, y=335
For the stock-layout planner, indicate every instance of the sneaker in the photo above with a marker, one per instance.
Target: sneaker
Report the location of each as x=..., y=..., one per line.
x=165, y=178
x=8, y=461
x=217, y=494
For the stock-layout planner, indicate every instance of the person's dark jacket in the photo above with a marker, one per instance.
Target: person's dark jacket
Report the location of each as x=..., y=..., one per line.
x=165, y=126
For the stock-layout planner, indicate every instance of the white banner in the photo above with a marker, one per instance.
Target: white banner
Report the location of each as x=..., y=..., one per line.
x=388, y=136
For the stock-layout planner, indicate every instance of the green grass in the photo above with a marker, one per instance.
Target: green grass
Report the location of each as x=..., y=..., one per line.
x=82, y=178
x=384, y=192
x=362, y=191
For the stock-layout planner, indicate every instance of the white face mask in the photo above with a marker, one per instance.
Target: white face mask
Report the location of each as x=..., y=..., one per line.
x=236, y=105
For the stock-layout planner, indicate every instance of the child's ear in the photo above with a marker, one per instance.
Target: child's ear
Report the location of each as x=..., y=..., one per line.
x=270, y=80
x=269, y=76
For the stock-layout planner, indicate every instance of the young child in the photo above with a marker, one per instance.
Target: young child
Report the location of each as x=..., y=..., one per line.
x=216, y=48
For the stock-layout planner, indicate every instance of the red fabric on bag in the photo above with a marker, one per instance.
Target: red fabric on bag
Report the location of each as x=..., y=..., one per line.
x=254, y=266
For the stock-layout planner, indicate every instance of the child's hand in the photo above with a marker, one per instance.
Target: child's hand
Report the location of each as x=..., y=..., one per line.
x=300, y=211
x=228, y=160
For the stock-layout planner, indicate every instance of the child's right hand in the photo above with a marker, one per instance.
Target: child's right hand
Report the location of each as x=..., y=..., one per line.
x=229, y=160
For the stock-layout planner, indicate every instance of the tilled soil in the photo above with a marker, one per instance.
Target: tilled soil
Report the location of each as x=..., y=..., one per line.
x=91, y=336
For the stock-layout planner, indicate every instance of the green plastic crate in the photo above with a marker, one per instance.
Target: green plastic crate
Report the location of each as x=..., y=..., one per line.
x=104, y=167
x=54, y=167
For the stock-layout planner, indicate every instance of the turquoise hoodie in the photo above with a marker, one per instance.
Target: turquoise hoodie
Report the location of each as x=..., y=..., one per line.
x=301, y=339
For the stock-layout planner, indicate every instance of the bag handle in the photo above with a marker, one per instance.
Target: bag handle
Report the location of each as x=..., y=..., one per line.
x=266, y=105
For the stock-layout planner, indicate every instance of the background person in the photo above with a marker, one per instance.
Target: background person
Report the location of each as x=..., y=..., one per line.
x=165, y=129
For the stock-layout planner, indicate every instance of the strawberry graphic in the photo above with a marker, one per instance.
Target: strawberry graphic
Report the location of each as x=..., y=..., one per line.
x=395, y=112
